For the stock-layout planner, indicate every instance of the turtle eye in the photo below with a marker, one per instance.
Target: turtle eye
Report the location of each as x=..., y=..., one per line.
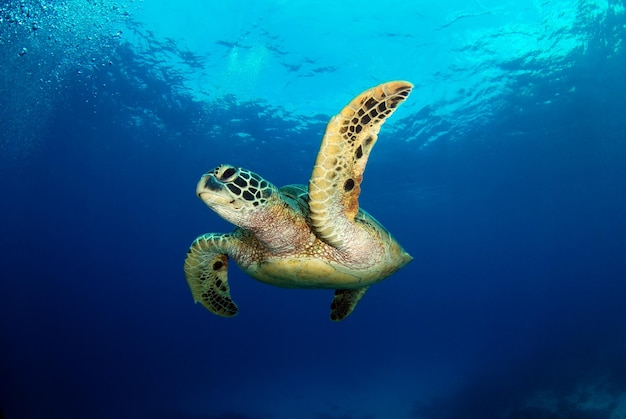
x=228, y=173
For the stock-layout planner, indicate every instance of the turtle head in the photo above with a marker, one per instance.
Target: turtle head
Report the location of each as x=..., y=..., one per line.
x=235, y=194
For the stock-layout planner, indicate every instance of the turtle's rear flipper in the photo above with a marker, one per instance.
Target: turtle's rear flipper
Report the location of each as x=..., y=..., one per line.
x=206, y=269
x=344, y=303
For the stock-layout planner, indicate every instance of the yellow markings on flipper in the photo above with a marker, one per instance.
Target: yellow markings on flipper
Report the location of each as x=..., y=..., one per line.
x=335, y=183
x=344, y=303
x=206, y=270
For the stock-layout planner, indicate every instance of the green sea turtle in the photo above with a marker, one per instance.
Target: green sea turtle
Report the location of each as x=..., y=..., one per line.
x=299, y=237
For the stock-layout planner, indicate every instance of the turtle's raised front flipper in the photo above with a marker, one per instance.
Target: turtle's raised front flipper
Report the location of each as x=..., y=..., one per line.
x=206, y=269
x=344, y=303
x=336, y=179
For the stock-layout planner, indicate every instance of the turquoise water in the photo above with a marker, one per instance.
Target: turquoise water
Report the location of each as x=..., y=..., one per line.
x=503, y=175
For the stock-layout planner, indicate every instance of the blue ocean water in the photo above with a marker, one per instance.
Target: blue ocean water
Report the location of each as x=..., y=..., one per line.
x=503, y=175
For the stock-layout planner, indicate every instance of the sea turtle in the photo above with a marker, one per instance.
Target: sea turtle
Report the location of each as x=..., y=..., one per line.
x=299, y=237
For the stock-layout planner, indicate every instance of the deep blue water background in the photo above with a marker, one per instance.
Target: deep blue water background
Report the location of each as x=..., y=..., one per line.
x=513, y=306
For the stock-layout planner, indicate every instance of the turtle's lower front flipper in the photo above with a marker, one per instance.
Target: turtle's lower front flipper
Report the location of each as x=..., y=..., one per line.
x=206, y=269
x=345, y=302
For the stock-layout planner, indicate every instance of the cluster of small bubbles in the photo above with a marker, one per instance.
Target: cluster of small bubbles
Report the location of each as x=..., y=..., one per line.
x=44, y=45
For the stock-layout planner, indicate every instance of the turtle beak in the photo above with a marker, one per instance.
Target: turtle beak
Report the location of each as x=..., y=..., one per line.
x=211, y=191
x=208, y=183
